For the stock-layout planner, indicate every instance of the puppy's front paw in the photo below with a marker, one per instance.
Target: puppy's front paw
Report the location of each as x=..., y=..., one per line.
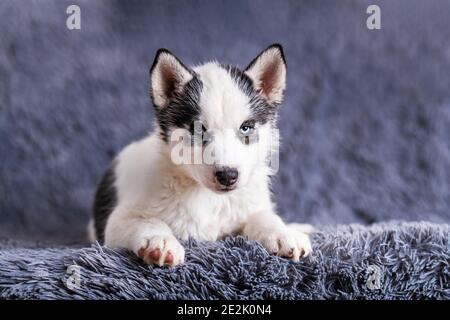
x=287, y=243
x=161, y=251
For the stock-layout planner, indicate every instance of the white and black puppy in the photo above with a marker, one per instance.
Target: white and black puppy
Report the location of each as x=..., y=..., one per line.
x=149, y=199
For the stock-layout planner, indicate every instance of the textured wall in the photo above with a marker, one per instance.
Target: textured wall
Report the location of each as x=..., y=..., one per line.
x=365, y=123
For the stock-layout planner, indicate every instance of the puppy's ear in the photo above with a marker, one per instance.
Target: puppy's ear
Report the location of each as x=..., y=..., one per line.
x=168, y=75
x=268, y=73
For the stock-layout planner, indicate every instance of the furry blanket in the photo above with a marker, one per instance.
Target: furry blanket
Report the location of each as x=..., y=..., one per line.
x=385, y=261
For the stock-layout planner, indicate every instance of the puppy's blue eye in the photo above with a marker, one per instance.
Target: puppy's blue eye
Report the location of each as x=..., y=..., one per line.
x=246, y=130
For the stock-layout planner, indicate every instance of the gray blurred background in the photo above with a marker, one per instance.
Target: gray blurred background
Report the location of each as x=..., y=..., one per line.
x=365, y=125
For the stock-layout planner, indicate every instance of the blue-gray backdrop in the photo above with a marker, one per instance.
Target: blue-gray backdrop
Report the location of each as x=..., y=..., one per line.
x=365, y=123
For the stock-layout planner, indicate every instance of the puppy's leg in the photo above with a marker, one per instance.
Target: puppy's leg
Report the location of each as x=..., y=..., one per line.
x=268, y=229
x=151, y=239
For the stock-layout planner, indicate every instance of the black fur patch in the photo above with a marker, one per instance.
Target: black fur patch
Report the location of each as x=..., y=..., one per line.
x=243, y=81
x=104, y=202
x=262, y=111
x=183, y=109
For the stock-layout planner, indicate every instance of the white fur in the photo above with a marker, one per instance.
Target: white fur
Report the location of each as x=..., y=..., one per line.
x=160, y=202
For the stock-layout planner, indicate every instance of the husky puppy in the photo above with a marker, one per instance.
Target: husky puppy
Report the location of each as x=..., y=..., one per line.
x=148, y=198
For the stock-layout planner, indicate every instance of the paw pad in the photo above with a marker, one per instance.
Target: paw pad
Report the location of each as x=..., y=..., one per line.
x=161, y=251
x=155, y=254
x=169, y=258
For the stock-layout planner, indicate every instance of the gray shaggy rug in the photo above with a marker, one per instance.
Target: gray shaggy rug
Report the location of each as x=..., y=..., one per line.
x=384, y=261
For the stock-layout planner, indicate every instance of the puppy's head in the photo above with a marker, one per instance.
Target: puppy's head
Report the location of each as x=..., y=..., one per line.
x=218, y=121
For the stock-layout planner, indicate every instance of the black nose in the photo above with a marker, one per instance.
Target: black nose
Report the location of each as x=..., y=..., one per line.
x=226, y=176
